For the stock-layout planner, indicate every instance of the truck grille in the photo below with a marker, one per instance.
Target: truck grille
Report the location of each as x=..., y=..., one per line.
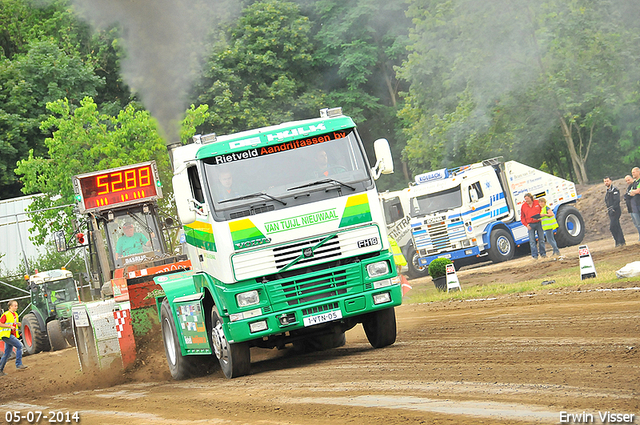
x=285, y=254
x=439, y=236
x=269, y=260
x=309, y=288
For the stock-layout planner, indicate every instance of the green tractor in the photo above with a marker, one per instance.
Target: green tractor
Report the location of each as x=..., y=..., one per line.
x=49, y=324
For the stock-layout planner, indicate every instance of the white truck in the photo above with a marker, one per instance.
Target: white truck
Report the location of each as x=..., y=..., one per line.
x=395, y=205
x=474, y=210
x=287, y=241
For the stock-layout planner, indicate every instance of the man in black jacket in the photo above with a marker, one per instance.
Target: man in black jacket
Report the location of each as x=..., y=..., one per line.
x=612, y=201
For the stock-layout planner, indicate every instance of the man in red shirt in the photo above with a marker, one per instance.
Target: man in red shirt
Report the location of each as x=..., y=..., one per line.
x=530, y=218
x=9, y=334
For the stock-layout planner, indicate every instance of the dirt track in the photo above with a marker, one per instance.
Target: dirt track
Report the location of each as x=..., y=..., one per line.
x=514, y=359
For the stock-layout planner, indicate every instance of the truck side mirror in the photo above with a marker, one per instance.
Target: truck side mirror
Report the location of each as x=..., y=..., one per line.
x=184, y=203
x=384, y=160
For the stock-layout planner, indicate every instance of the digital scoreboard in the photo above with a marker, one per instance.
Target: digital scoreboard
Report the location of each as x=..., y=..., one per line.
x=120, y=186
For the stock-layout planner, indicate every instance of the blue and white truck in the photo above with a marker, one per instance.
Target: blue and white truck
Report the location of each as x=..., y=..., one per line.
x=474, y=210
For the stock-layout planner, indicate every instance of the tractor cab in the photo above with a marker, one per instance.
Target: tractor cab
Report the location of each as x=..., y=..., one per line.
x=48, y=325
x=52, y=292
x=132, y=235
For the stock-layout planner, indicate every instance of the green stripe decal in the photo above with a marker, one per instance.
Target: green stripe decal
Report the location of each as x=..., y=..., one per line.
x=200, y=235
x=356, y=211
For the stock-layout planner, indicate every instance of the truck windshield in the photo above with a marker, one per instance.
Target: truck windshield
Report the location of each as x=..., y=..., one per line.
x=436, y=202
x=62, y=290
x=287, y=174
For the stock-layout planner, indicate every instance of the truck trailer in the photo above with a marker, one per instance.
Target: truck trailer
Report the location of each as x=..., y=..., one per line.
x=287, y=242
x=474, y=210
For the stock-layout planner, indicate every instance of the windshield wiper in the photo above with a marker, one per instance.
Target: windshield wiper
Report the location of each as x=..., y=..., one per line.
x=254, y=195
x=317, y=182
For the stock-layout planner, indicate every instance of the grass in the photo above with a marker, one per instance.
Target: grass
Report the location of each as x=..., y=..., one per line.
x=569, y=277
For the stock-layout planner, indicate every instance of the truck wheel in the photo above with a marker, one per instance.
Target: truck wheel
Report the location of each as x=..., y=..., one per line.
x=181, y=367
x=414, y=270
x=56, y=339
x=235, y=359
x=380, y=327
x=34, y=338
x=502, y=246
x=570, y=226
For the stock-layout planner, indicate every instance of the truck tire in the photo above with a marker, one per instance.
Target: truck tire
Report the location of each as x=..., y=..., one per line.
x=181, y=367
x=570, y=226
x=380, y=327
x=235, y=359
x=414, y=270
x=56, y=339
x=502, y=246
x=35, y=339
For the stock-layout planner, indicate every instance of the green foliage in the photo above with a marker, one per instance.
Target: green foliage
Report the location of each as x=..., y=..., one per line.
x=536, y=81
x=85, y=140
x=260, y=73
x=438, y=267
x=44, y=74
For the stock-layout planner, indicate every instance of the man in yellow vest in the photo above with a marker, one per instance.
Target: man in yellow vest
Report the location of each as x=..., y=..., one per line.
x=9, y=324
x=549, y=224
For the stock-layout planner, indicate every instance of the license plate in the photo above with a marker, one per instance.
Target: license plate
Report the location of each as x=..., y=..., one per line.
x=322, y=318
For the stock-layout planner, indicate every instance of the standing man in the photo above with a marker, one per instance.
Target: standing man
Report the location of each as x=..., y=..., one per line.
x=627, y=198
x=612, y=201
x=634, y=200
x=9, y=333
x=530, y=218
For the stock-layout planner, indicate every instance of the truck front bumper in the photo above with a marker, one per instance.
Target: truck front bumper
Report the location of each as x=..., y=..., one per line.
x=452, y=255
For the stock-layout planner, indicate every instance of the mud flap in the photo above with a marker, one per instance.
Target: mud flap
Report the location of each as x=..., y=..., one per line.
x=188, y=312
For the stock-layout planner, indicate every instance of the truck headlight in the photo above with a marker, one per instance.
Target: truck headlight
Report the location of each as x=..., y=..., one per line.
x=377, y=269
x=247, y=298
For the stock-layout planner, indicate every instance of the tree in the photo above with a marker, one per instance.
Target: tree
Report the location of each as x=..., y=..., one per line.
x=546, y=69
x=261, y=71
x=44, y=74
x=358, y=45
x=85, y=140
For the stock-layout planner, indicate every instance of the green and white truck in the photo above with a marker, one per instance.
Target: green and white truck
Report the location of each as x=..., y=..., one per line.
x=287, y=242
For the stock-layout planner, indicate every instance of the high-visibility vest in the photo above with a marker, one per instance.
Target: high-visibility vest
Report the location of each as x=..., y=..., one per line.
x=11, y=318
x=397, y=253
x=547, y=222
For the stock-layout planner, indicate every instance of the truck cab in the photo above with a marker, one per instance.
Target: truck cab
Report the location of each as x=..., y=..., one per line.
x=287, y=240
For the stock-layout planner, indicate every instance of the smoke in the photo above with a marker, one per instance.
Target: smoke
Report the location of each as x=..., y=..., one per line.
x=164, y=42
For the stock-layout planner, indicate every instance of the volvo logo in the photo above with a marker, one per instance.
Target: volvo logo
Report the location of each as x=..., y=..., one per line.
x=307, y=252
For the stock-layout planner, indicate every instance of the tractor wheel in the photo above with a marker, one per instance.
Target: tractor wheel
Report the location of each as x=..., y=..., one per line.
x=380, y=327
x=181, y=367
x=56, y=338
x=35, y=339
x=235, y=359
